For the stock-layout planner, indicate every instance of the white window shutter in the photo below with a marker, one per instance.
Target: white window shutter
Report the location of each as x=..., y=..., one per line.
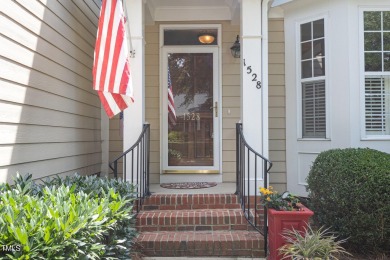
x=377, y=105
x=313, y=110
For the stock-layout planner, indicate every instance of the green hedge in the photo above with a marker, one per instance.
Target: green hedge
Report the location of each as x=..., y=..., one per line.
x=350, y=192
x=72, y=218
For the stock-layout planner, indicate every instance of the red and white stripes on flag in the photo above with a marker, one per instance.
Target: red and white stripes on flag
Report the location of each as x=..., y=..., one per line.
x=111, y=68
x=171, y=103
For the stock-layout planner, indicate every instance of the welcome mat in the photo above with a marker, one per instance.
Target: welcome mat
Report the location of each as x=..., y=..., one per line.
x=188, y=185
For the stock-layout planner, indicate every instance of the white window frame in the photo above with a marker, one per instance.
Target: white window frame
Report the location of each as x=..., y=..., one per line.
x=363, y=75
x=299, y=79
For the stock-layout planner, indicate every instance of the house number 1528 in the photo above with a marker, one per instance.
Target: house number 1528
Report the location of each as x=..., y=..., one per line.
x=254, y=75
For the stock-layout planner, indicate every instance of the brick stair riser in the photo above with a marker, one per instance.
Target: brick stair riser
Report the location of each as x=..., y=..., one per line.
x=191, y=221
x=190, y=244
x=187, y=202
x=197, y=225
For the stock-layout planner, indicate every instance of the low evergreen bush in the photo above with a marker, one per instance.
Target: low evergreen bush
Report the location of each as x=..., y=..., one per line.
x=349, y=191
x=72, y=218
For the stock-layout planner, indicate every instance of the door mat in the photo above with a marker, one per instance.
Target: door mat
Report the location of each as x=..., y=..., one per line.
x=188, y=185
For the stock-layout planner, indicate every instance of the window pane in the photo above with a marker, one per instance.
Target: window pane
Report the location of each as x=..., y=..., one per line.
x=373, y=61
x=187, y=36
x=386, y=21
x=306, y=32
x=386, y=41
x=318, y=29
x=306, y=50
x=318, y=48
x=377, y=105
x=319, y=67
x=372, y=21
x=307, y=69
x=372, y=41
x=313, y=110
x=190, y=129
x=386, y=61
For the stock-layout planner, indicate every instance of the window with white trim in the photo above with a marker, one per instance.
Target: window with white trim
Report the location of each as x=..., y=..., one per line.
x=377, y=72
x=312, y=79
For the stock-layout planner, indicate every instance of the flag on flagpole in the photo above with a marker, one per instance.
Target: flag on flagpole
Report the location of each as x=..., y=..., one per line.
x=111, y=68
x=171, y=103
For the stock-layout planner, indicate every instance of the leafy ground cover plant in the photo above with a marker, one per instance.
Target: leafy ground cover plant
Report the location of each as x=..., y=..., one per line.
x=72, y=218
x=311, y=245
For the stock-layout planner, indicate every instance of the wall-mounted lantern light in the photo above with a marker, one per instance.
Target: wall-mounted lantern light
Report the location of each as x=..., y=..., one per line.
x=235, y=49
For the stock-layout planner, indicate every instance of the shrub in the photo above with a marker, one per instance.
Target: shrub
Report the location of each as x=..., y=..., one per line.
x=67, y=219
x=350, y=192
x=93, y=185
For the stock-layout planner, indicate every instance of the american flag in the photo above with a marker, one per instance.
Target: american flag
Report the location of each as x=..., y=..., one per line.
x=111, y=69
x=171, y=103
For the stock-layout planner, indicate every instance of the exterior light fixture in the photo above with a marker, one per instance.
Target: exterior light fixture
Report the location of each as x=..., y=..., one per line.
x=206, y=38
x=235, y=49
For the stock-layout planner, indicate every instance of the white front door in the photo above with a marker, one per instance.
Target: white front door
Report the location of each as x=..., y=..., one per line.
x=190, y=112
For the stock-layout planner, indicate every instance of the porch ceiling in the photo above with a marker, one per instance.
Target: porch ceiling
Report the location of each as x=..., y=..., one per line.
x=190, y=10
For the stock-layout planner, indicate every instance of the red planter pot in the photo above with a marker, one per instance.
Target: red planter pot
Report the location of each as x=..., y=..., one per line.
x=280, y=220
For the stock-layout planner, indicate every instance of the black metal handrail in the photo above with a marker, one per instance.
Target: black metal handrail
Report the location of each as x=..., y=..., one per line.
x=139, y=155
x=247, y=160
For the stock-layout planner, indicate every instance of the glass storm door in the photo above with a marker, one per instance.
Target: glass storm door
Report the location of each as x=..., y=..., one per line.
x=190, y=109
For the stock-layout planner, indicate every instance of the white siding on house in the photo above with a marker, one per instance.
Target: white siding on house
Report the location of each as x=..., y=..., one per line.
x=49, y=114
x=344, y=83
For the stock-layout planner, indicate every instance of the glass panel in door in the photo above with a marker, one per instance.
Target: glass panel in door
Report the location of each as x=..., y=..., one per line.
x=190, y=109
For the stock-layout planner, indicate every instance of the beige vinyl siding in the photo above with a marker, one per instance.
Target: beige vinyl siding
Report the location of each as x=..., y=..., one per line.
x=116, y=144
x=231, y=100
x=152, y=97
x=49, y=114
x=277, y=105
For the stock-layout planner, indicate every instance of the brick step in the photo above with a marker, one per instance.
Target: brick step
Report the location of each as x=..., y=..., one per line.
x=192, y=220
x=190, y=201
x=202, y=243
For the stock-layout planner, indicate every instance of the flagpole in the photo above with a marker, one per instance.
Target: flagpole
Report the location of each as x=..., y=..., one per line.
x=129, y=42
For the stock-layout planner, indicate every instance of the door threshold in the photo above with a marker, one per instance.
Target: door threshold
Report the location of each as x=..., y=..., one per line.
x=190, y=177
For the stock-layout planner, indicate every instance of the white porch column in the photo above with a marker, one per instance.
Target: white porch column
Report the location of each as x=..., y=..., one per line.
x=134, y=115
x=254, y=80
